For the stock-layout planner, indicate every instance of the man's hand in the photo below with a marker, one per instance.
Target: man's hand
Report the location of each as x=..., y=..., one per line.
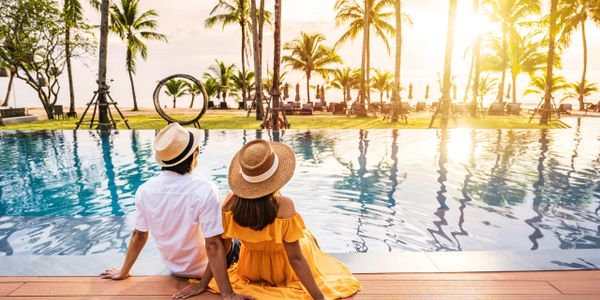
x=190, y=291
x=114, y=274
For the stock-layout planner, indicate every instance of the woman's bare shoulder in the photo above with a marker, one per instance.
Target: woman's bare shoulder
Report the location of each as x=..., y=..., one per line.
x=286, y=207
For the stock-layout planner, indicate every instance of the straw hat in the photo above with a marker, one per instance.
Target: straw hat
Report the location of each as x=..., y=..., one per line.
x=174, y=144
x=261, y=168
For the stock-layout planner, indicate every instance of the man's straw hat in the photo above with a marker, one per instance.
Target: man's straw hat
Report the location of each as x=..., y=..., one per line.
x=174, y=144
x=261, y=168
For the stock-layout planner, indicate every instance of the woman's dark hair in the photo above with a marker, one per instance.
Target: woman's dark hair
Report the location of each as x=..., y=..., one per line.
x=254, y=213
x=185, y=167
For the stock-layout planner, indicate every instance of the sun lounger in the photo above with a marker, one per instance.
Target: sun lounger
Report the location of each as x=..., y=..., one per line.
x=318, y=106
x=211, y=104
x=307, y=109
x=288, y=109
x=513, y=108
x=223, y=105
x=496, y=109
x=339, y=109
x=565, y=108
x=421, y=106
x=58, y=112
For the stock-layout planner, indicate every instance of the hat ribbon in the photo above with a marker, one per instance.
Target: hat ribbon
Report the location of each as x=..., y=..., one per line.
x=264, y=176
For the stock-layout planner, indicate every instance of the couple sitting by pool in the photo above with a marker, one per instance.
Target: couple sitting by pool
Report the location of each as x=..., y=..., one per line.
x=254, y=244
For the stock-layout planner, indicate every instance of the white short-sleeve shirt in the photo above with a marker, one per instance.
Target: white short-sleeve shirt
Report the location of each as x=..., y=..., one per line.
x=179, y=211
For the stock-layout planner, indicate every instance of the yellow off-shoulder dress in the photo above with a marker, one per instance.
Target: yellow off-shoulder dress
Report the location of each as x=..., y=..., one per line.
x=263, y=270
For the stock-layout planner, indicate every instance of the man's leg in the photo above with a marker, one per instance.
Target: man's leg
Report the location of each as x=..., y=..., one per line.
x=234, y=253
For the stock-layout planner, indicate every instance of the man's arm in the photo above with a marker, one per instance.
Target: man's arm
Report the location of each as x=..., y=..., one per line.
x=217, y=262
x=136, y=244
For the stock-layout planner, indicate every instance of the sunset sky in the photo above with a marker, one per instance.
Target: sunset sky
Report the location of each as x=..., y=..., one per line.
x=192, y=48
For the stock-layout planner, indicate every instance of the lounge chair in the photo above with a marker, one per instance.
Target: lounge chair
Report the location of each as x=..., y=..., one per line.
x=386, y=110
x=318, y=106
x=496, y=109
x=331, y=106
x=288, y=109
x=421, y=106
x=339, y=109
x=513, y=108
x=405, y=107
x=58, y=111
x=461, y=109
x=307, y=109
x=565, y=108
x=223, y=105
x=211, y=104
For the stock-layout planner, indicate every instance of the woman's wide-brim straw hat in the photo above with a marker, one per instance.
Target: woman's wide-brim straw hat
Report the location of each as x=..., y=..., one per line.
x=174, y=144
x=261, y=168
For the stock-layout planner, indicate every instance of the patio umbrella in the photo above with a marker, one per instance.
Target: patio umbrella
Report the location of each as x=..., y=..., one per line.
x=387, y=93
x=286, y=91
x=318, y=92
x=323, y=95
x=410, y=91
x=427, y=92
x=297, y=92
x=508, y=92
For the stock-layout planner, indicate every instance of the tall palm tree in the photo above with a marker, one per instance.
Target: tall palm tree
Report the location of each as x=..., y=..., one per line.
x=222, y=75
x=73, y=14
x=258, y=21
x=476, y=66
x=524, y=56
x=447, y=78
x=510, y=14
x=552, y=30
x=241, y=80
x=236, y=12
x=574, y=14
x=354, y=14
x=134, y=27
x=576, y=89
x=539, y=83
x=308, y=54
x=398, y=62
x=193, y=90
x=346, y=79
x=382, y=82
x=176, y=88
x=212, y=88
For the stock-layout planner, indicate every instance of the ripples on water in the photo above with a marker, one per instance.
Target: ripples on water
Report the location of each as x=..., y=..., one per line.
x=67, y=192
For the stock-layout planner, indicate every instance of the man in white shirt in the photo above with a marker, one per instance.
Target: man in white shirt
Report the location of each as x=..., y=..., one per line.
x=183, y=213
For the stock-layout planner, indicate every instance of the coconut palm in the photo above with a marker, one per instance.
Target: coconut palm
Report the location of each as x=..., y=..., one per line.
x=258, y=22
x=550, y=83
x=382, y=82
x=353, y=14
x=575, y=89
x=212, y=89
x=446, y=82
x=510, y=14
x=241, y=80
x=193, y=90
x=236, y=12
x=222, y=75
x=539, y=83
x=346, y=79
x=476, y=65
x=574, y=14
x=134, y=27
x=524, y=56
x=176, y=88
x=308, y=54
x=73, y=14
x=486, y=85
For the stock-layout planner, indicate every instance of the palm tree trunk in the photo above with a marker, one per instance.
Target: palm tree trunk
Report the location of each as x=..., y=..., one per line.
x=69, y=69
x=551, y=44
x=477, y=57
x=174, y=102
x=447, y=85
x=308, y=87
x=363, y=65
x=583, y=76
x=9, y=88
x=368, y=78
x=276, y=65
x=257, y=44
x=500, y=97
x=244, y=84
x=396, y=101
x=103, y=118
x=514, y=88
x=130, y=71
x=193, y=98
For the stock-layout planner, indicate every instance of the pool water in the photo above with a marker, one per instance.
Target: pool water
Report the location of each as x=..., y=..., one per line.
x=71, y=193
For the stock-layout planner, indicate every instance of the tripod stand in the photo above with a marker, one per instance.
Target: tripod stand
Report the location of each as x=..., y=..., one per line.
x=97, y=103
x=541, y=109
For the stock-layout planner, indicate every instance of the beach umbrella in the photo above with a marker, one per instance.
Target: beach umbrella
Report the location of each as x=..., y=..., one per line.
x=286, y=91
x=508, y=92
x=410, y=91
x=318, y=92
x=297, y=92
x=323, y=94
x=4, y=72
x=387, y=93
x=427, y=92
x=454, y=89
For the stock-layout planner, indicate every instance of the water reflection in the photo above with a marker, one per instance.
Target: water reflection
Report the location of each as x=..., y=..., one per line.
x=69, y=192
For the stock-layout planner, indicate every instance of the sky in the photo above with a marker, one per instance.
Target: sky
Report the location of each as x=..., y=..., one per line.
x=192, y=49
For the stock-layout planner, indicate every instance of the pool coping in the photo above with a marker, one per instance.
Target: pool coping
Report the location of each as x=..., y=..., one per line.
x=359, y=263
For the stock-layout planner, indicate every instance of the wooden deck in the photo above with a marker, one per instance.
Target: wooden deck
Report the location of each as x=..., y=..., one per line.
x=517, y=285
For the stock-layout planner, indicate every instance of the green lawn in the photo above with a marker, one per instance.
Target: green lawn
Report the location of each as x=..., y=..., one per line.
x=304, y=122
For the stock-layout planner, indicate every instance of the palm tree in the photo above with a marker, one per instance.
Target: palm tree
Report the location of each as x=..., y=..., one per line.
x=398, y=63
x=242, y=80
x=510, y=14
x=222, y=75
x=193, y=90
x=447, y=79
x=524, y=56
x=236, y=12
x=73, y=14
x=539, y=83
x=212, y=88
x=550, y=84
x=308, y=54
x=350, y=12
x=382, y=82
x=346, y=79
x=176, y=88
x=574, y=15
x=133, y=27
x=576, y=89
x=258, y=22
x=476, y=66
x=486, y=85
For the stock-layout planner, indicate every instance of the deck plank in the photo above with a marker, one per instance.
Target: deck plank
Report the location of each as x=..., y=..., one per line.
x=462, y=287
x=7, y=288
x=582, y=287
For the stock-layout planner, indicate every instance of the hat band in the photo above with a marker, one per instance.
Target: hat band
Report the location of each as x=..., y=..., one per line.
x=264, y=176
x=184, y=153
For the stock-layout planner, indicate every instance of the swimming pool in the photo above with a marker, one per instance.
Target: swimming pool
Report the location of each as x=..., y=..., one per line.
x=71, y=193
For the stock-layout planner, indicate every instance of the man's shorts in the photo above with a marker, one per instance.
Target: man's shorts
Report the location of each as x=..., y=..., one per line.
x=234, y=253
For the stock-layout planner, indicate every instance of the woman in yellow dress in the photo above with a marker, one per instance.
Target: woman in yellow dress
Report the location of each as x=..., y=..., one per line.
x=279, y=257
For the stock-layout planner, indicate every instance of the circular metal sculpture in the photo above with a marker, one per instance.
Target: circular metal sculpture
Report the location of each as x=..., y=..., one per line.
x=166, y=116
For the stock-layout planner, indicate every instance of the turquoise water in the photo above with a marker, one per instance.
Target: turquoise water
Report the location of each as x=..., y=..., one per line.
x=71, y=193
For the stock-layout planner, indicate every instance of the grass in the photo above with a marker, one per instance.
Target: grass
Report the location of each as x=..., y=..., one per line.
x=231, y=121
